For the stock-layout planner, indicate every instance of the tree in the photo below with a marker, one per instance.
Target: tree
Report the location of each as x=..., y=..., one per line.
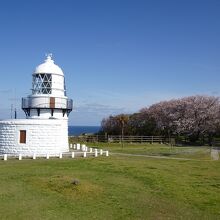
x=202, y=117
x=142, y=123
x=194, y=117
x=123, y=120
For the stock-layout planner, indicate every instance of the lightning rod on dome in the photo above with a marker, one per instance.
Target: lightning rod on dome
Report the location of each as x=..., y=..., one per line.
x=49, y=55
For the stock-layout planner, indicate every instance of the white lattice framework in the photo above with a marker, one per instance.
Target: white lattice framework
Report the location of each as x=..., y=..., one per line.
x=42, y=83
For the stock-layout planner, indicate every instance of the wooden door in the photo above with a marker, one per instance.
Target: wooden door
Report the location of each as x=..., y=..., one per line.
x=52, y=102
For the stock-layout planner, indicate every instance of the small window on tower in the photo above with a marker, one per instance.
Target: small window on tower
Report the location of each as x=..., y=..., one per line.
x=22, y=136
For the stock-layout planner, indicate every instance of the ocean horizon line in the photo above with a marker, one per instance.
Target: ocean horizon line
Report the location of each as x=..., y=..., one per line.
x=78, y=130
x=85, y=125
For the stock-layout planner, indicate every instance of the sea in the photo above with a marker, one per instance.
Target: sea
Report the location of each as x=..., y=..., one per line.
x=78, y=130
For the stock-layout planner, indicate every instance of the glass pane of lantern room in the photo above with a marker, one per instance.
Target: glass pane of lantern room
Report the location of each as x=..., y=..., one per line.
x=42, y=83
x=37, y=81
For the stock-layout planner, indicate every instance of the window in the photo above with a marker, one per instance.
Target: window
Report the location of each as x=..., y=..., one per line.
x=22, y=136
x=42, y=83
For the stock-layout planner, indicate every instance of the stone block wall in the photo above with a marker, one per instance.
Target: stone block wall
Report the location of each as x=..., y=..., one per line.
x=44, y=136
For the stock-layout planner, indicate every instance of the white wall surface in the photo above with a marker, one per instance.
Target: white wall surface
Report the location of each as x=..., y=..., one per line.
x=57, y=85
x=42, y=136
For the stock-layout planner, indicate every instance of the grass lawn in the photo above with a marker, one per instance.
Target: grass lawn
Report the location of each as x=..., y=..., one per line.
x=156, y=150
x=117, y=187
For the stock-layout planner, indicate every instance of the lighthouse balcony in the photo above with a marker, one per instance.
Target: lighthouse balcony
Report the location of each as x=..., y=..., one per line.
x=47, y=103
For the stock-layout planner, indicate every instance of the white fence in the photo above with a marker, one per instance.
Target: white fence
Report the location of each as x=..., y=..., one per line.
x=119, y=138
x=76, y=151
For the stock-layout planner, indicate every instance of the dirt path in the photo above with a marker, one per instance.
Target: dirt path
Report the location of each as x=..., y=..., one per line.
x=157, y=157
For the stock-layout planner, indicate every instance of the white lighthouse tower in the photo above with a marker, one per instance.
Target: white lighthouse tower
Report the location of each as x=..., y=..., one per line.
x=45, y=129
x=48, y=99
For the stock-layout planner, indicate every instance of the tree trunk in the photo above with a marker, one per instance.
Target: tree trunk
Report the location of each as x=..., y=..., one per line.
x=122, y=136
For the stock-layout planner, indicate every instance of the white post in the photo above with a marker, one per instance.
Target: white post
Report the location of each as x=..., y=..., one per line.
x=34, y=156
x=86, y=149
x=84, y=154
x=90, y=150
x=214, y=154
x=61, y=156
x=96, y=153
x=5, y=156
x=71, y=146
x=19, y=157
x=101, y=151
x=73, y=154
x=83, y=147
x=47, y=156
x=107, y=153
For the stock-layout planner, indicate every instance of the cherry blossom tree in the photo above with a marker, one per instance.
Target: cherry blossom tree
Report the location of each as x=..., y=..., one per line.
x=194, y=117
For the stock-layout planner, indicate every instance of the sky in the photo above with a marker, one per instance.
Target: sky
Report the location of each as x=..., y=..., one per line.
x=118, y=56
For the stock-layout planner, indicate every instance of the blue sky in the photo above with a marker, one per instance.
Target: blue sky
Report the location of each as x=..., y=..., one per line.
x=117, y=55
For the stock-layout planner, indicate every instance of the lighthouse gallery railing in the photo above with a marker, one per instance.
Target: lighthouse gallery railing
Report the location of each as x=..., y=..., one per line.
x=45, y=102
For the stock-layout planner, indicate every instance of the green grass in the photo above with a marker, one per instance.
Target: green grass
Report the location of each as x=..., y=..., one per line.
x=117, y=187
x=156, y=150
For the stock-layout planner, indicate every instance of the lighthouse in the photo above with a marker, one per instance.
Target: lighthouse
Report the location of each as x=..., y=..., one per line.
x=45, y=129
x=48, y=99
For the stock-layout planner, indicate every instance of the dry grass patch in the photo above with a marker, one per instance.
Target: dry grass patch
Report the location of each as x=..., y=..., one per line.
x=65, y=186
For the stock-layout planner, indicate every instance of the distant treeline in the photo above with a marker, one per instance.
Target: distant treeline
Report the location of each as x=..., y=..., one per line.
x=193, y=118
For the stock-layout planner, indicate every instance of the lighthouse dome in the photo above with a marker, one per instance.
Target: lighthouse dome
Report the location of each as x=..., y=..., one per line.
x=48, y=67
